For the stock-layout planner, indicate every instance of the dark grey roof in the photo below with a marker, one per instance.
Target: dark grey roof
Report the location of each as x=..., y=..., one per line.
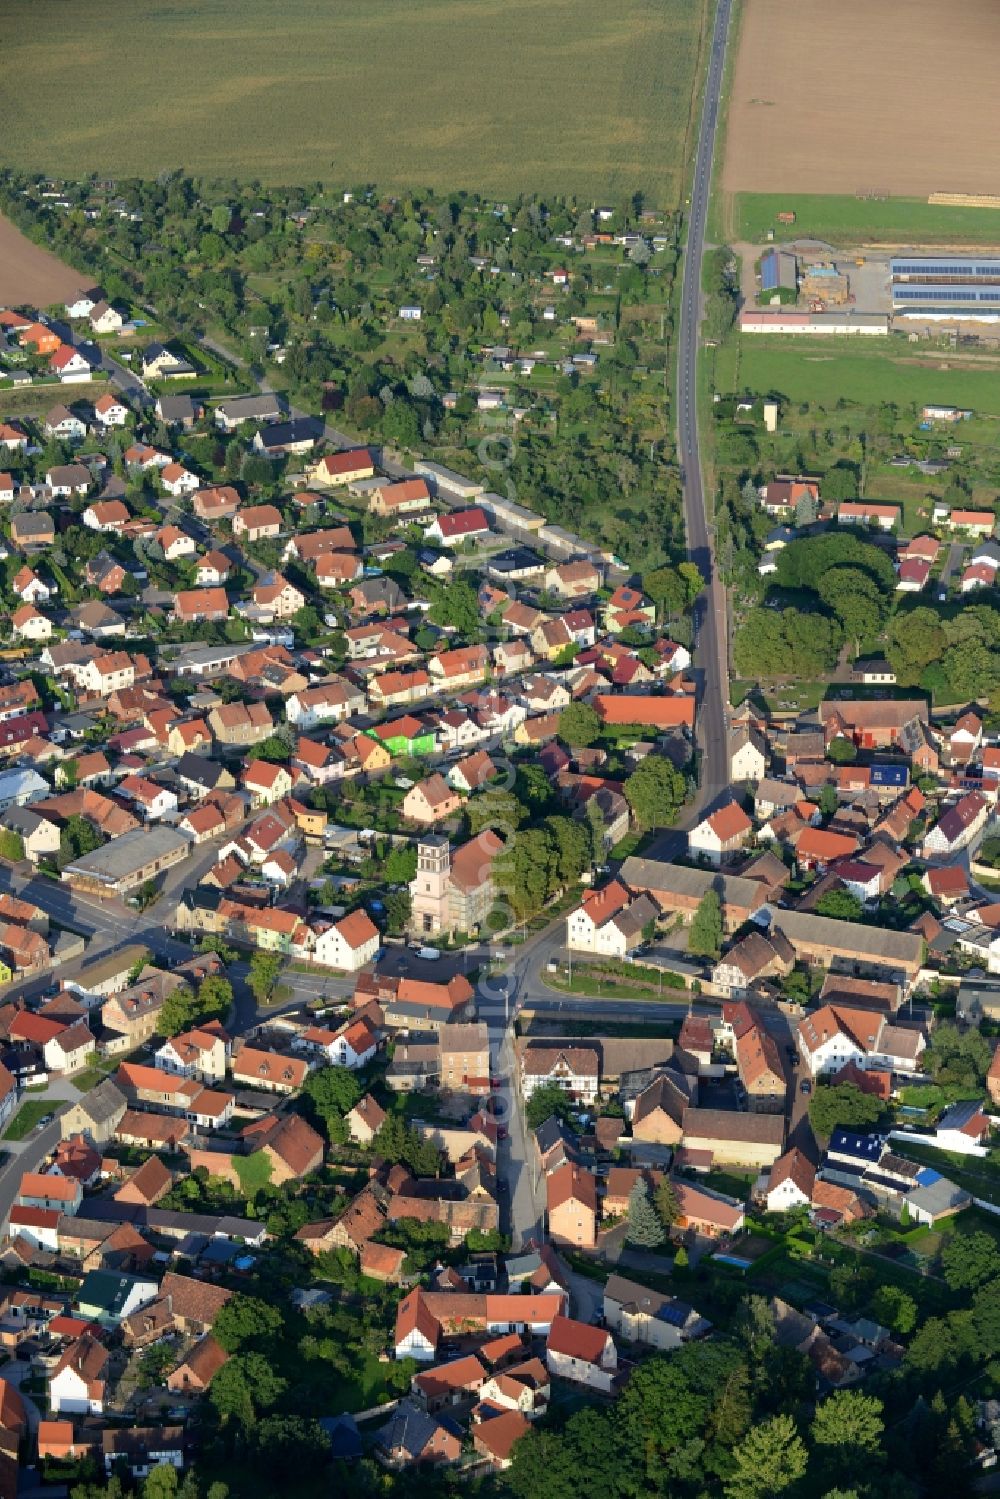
x=176, y=408
x=410, y=1429
x=281, y=434
x=550, y=1132
x=103, y=1102
x=199, y=769
x=21, y=820
x=343, y=1436
x=251, y=408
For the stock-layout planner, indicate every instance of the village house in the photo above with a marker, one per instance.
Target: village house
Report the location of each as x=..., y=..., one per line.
x=430, y=801
x=721, y=835
x=581, y=1353
x=571, y=1203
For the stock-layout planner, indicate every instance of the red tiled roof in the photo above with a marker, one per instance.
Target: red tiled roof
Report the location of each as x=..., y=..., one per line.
x=576, y=1339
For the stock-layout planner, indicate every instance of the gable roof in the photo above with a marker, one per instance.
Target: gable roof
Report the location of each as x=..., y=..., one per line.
x=579, y=1340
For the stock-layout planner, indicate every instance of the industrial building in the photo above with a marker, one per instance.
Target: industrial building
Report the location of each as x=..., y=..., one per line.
x=945, y=287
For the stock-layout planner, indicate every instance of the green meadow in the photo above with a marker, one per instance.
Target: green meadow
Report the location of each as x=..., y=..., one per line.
x=864, y=372
x=846, y=220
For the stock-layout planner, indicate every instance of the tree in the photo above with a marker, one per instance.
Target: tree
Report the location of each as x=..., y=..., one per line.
x=655, y=791
x=969, y=1260
x=570, y=847
x=827, y=801
x=400, y=866
x=246, y=1320
x=754, y=1329
x=849, y=1419
x=705, y=933
x=841, y=750
x=667, y=589
x=960, y=1057
x=78, y=837
x=894, y=1309
x=843, y=1105
x=644, y=1228
x=667, y=1205
x=11, y=845
x=161, y=1482
x=916, y=638
x=579, y=724
x=183, y=1010
x=265, y=968
x=290, y=1449
x=398, y=908
x=841, y=483
x=332, y=1091
x=545, y=1102
x=770, y=1459
x=841, y=905
x=792, y=643
x=458, y=606
x=524, y=872
x=497, y=809
x=681, y=1258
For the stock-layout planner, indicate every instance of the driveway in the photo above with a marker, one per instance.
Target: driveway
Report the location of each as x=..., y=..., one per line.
x=587, y=1297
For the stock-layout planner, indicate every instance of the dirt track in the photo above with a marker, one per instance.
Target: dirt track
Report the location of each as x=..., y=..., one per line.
x=899, y=95
x=31, y=276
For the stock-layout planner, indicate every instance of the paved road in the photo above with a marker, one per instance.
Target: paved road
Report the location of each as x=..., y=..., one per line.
x=123, y=379
x=711, y=628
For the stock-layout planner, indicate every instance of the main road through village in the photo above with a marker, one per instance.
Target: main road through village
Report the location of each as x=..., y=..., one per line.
x=711, y=657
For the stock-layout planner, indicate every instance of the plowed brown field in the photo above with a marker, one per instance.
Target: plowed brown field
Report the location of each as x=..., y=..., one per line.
x=31, y=276
x=897, y=96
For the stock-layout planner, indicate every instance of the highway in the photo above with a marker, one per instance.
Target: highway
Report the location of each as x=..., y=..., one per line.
x=711, y=655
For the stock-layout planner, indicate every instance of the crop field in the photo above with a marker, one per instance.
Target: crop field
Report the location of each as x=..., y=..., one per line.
x=826, y=371
x=573, y=96
x=30, y=275
x=889, y=97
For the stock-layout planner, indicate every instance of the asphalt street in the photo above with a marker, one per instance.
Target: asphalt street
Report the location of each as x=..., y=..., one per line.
x=711, y=654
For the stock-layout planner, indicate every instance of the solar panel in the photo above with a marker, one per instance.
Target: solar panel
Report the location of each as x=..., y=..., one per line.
x=674, y=1314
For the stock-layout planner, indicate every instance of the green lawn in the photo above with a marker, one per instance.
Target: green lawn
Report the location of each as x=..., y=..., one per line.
x=576, y=97
x=27, y=1117
x=825, y=371
x=854, y=221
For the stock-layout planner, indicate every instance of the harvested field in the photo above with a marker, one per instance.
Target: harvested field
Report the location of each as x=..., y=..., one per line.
x=29, y=275
x=896, y=97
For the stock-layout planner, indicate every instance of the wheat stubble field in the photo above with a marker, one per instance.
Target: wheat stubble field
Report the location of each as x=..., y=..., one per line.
x=497, y=96
x=898, y=96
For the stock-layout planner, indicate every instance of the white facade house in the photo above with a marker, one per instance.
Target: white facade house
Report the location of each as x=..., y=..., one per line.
x=178, y=480
x=958, y=826
x=720, y=835
x=609, y=921
x=82, y=306
x=199, y=1054
x=790, y=1182
x=574, y=1069
x=111, y=412
x=748, y=758
x=834, y=1035
x=582, y=1353
x=77, y=1387
x=348, y=944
